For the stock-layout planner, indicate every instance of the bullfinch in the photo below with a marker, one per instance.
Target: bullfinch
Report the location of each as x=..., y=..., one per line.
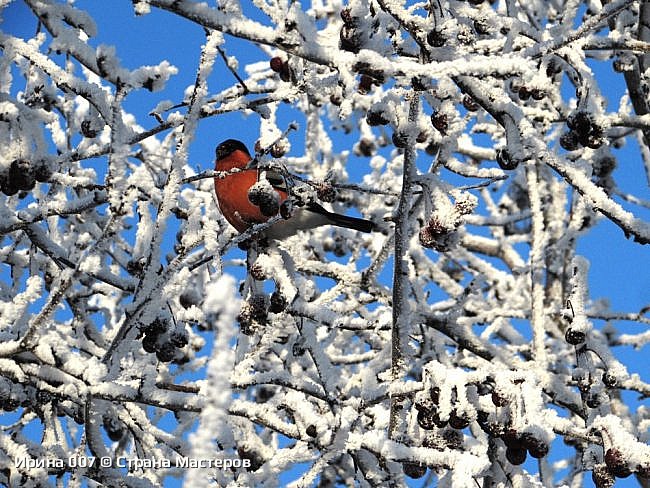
x=234, y=197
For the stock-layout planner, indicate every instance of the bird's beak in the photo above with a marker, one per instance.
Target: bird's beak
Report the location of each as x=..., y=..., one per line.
x=252, y=164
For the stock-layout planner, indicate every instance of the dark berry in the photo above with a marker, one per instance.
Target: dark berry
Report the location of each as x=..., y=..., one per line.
x=179, y=338
x=20, y=175
x=276, y=64
x=285, y=72
x=511, y=438
x=593, y=141
x=524, y=93
x=278, y=303
x=580, y=122
x=157, y=327
x=113, y=427
x=469, y=103
x=349, y=39
x=136, y=266
x=457, y=421
x=609, y=379
x=87, y=129
x=482, y=26
x=256, y=460
x=569, y=141
x=400, y=139
x=574, y=337
x=257, y=272
x=298, y=348
x=434, y=393
x=453, y=439
x=7, y=187
x=346, y=17
x=365, y=84
x=246, y=324
x=376, y=117
x=166, y=352
x=149, y=343
x=311, y=431
x=440, y=122
x=414, y=470
x=366, y=147
x=325, y=192
x=256, y=306
x=426, y=419
x=43, y=397
x=505, y=160
x=537, y=94
x=515, y=85
x=278, y=150
x=536, y=447
x=267, y=201
x=42, y=172
x=515, y=455
x=189, y=298
x=436, y=38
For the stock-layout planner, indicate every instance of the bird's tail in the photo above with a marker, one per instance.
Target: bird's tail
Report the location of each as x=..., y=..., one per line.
x=340, y=220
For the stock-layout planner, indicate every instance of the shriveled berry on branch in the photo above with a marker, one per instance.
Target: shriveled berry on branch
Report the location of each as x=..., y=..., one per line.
x=166, y=352
x=326, y=192
x=365, y=84
x=515, y=455
x=469, y=103
x=414, y=470
x=400, y=139
x=569, y=141
x=376, y=117
x=20, y=175
x=278, y=302
x=440, y=122
x=436, y=38
x=276, y=64
x=536, y=447
x=458, y=421
x=113, y=427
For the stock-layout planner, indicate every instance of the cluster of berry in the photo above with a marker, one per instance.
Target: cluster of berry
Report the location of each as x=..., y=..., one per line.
x=22, y=176
x=165, y=339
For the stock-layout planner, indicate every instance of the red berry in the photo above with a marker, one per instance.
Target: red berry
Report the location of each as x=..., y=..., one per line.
x=276, y=64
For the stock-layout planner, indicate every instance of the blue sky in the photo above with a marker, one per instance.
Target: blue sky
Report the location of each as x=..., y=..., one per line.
x=619, y=267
